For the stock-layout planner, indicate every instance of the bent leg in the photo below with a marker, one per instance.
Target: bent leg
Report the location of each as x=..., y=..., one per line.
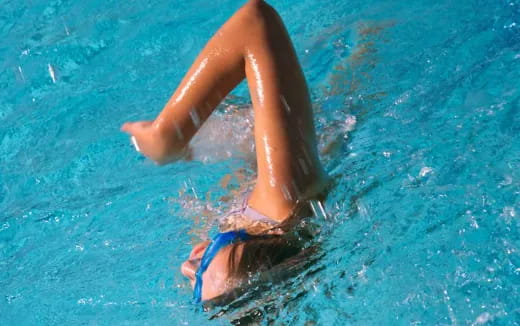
x=253, y=43
x=288, y=165
x=215, y=72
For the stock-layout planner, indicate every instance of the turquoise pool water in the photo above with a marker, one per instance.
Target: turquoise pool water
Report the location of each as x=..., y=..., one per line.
x=418, y=109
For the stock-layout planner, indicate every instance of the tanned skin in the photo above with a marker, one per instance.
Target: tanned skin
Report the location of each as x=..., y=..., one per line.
x=252, y=44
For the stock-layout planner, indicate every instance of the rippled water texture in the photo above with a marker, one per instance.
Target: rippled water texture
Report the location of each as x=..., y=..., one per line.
x=418, y=109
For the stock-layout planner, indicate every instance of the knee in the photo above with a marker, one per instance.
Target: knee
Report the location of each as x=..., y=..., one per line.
x=260, y=14
x=255, y=3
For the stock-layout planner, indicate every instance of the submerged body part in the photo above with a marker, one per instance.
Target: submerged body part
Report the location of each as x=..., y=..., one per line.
x=252, y=44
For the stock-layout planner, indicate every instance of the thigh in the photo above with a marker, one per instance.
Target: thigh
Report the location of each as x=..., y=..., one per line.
x=288, y=164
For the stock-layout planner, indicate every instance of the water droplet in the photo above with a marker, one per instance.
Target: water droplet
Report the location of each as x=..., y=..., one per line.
x=482, y=319
x=20, y=71
x=301, y=161
x=425, y=171
x=350, y=123
x=286, y=193
x=178, y=131
x=286, y=106
x=51, y=72
x=66, y=27
x=195, y=117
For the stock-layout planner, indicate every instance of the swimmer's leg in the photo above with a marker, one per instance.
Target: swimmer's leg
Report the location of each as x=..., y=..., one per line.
x=215, y=72
x=288, y=165
x=252, y=43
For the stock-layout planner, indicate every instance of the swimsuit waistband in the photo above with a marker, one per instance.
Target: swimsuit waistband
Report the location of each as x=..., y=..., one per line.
x=251, y=213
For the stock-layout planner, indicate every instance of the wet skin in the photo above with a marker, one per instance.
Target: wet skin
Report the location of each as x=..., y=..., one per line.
x=252, y=44
x=215, y=280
